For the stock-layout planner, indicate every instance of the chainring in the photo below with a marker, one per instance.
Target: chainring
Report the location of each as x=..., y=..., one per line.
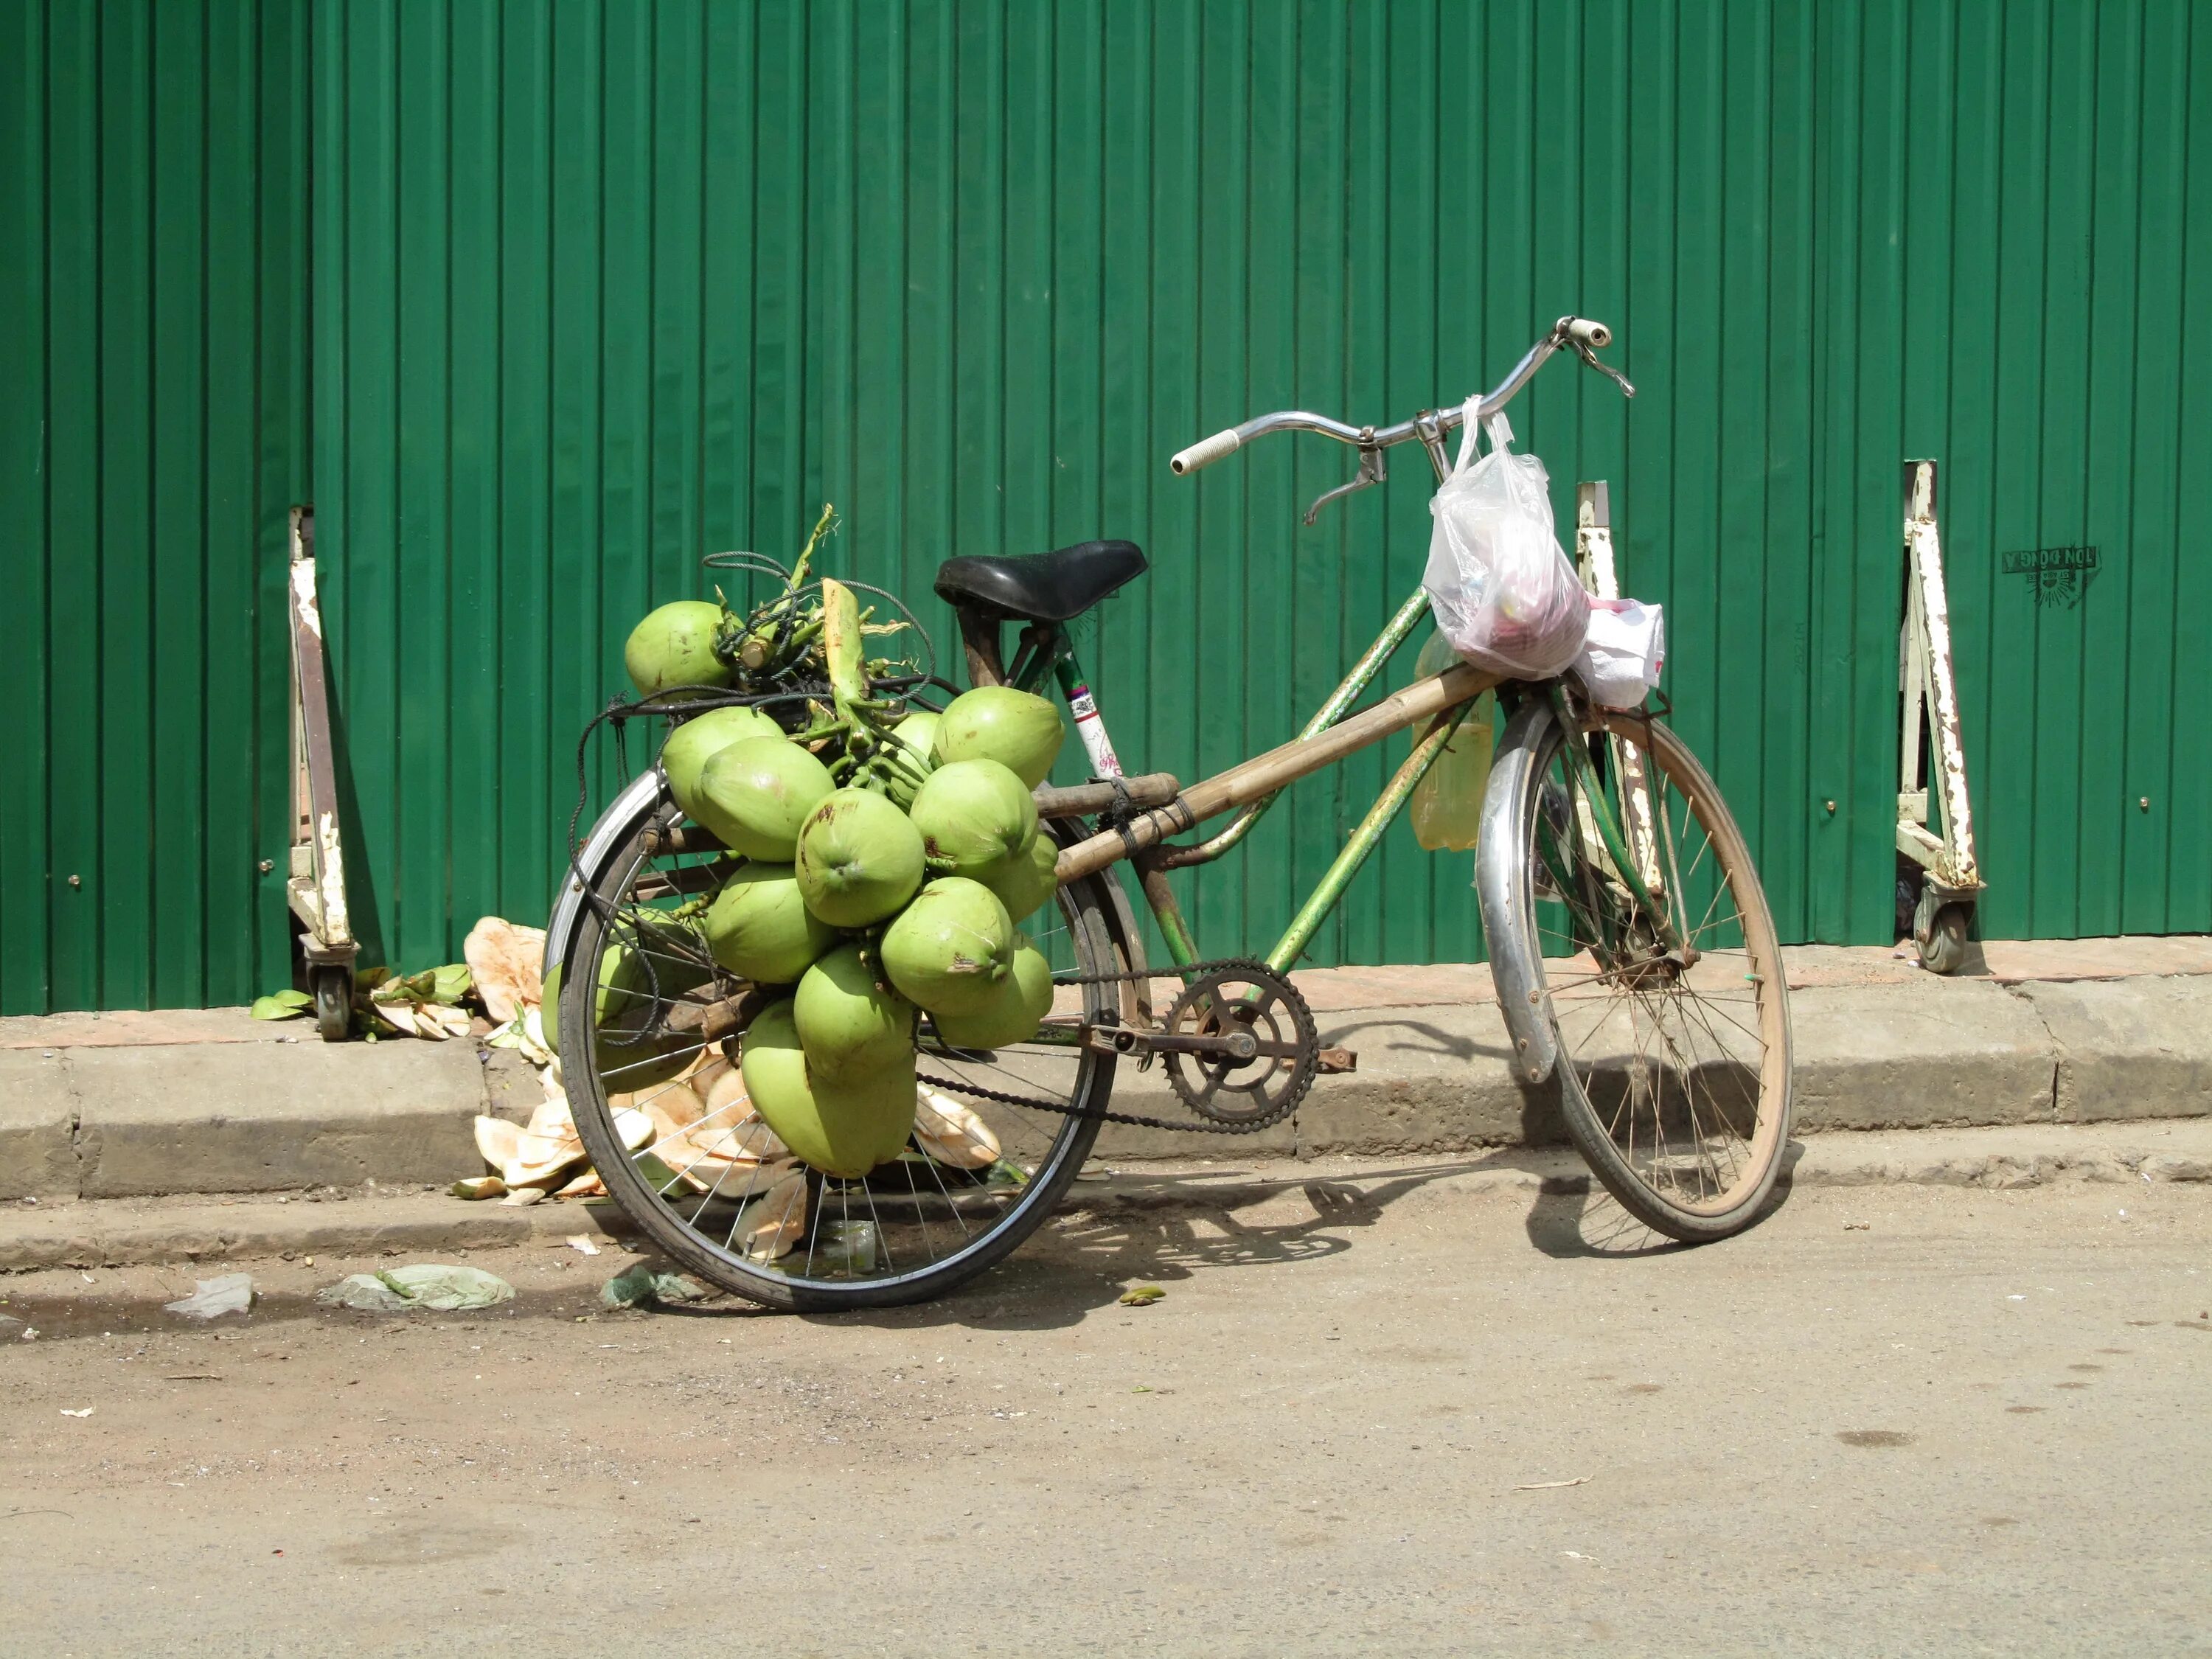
x=1243, y=1000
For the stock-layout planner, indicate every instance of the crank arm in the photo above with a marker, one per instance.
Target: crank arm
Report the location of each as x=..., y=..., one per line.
x=1126, y=1040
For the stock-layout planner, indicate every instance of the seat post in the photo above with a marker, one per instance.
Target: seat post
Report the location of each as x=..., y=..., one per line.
x=979, y=638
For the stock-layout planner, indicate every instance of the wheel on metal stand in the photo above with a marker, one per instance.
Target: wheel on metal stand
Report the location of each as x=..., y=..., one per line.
x=1673, y=1064
x=1939, y=931
x=664, y=1114
x=332, y=984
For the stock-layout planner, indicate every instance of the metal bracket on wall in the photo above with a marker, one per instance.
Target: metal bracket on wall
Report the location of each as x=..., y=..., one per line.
x=1594, y=562
x=1931, y=748
x=315, y=884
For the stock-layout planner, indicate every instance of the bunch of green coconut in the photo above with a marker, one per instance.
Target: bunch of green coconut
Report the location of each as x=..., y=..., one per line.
x=878, y=861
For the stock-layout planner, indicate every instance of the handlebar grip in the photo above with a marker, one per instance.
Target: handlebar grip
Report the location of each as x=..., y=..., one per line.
x=1205, y=452
x=1590, y=332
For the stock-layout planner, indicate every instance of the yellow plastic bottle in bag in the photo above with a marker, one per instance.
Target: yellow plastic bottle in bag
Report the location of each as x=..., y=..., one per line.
x=1448, y=800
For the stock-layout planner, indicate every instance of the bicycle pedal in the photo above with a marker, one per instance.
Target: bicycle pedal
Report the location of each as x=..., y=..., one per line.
x=1331, y=1062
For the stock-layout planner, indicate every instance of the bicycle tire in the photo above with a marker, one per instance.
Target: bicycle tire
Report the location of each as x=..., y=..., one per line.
x=1094, y=941
x=1729, y=1049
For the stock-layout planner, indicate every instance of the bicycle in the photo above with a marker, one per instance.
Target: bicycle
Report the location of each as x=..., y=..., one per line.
x=1630, y=942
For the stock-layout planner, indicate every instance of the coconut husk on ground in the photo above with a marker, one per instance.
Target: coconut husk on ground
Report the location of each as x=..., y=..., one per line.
x=504, y=959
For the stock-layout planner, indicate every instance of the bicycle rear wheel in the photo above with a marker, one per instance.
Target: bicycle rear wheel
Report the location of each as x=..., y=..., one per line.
x=669, y=1128
x=1673, y=1063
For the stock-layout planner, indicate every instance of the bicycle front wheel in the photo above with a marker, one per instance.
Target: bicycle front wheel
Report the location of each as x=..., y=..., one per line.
x=1667, y=992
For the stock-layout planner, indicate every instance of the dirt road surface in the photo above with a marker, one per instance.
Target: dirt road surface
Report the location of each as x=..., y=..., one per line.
x=1890, y=1421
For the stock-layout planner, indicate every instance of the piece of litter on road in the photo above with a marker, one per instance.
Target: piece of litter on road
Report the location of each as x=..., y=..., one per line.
x=87, y=1411
x=1141, y=1295
x=476, y=1186
x=436, y=1286
x=193, y=1376
x=2015, y=1298
x=1576, y=1555
x=640, y=1286
x=578, y=1242
x=213, y=1297
x=1546, y=1485
x=30, y=1333
x=524, y=1195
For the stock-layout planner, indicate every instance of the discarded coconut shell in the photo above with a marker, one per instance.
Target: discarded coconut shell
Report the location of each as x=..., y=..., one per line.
x=775, y=1221
x=539, y=1158
x=504, y=960
x=495, y=1140
x=952, y=1134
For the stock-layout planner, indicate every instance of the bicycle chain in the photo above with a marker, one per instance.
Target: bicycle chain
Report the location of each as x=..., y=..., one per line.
x=1136, y=1120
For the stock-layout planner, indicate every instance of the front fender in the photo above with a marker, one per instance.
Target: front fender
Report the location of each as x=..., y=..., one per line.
x=1502, y=887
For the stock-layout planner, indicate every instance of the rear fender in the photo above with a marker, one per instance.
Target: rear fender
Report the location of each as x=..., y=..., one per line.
x=630, y=811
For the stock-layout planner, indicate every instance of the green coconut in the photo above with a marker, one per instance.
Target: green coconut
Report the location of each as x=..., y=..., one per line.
x=850, y=1025
x=1027, y=881
x=756, y=792
x=918, y=732
x=690, y=744
x=1024, y=999
x=860, y=859
x=1019, y=729
x=975, y=817
x=759, y=926
x=844, y=1129
x=915, y=749
x=674, y=646
x=950, y=948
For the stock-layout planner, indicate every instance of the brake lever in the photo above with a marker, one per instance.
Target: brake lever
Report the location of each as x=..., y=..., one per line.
x=1373, y=470
x=1602, y=367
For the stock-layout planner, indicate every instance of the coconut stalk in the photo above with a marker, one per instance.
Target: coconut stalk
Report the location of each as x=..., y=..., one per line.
x=873, y=758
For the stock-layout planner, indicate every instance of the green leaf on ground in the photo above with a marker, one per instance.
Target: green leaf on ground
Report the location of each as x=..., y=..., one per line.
x=277, y=1007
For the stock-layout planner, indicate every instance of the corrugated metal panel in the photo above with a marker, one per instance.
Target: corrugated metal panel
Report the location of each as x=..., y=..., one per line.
x=153, y=333
x=603, y=288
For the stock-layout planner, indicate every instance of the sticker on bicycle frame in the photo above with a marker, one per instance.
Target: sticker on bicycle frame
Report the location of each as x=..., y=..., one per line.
x=1092, y=730
x=2060, y=575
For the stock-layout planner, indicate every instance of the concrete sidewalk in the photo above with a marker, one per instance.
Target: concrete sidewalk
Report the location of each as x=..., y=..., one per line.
x=212, y=1230
x=2104, y=1032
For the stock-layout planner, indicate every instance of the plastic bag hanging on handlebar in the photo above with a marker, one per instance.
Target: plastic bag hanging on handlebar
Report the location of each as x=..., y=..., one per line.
x=1499, y=586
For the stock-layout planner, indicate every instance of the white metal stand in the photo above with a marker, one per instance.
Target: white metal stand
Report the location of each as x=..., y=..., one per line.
x=1951, y=880
x=315, y=887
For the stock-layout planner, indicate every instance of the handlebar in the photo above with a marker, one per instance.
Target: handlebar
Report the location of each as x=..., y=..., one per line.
x=1205, y=451
x=1582, y=335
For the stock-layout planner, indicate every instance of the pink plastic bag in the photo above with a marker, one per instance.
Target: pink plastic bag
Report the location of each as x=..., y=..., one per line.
x=1499, y=586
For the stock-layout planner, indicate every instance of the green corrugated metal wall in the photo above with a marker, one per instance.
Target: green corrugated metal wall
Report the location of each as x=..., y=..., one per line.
x=599, y=289
x=153, y=435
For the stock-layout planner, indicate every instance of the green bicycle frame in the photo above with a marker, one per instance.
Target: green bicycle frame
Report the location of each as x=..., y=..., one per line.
x=1048, y=652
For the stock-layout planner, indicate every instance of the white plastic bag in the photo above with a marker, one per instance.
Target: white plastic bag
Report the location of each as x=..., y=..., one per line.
x=1623, y=652
x=1500, y=587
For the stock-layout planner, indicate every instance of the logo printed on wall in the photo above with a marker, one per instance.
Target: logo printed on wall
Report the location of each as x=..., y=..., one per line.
x=2060, y=575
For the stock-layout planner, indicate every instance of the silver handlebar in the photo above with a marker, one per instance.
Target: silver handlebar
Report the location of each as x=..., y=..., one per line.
x=1581, y=335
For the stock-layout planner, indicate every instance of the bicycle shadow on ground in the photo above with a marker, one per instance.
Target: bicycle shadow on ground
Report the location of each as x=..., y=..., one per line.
x=1591, y=1224
x=1174, y=1227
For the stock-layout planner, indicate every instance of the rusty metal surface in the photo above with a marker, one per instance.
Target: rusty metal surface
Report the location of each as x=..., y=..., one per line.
x=1950, y=855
